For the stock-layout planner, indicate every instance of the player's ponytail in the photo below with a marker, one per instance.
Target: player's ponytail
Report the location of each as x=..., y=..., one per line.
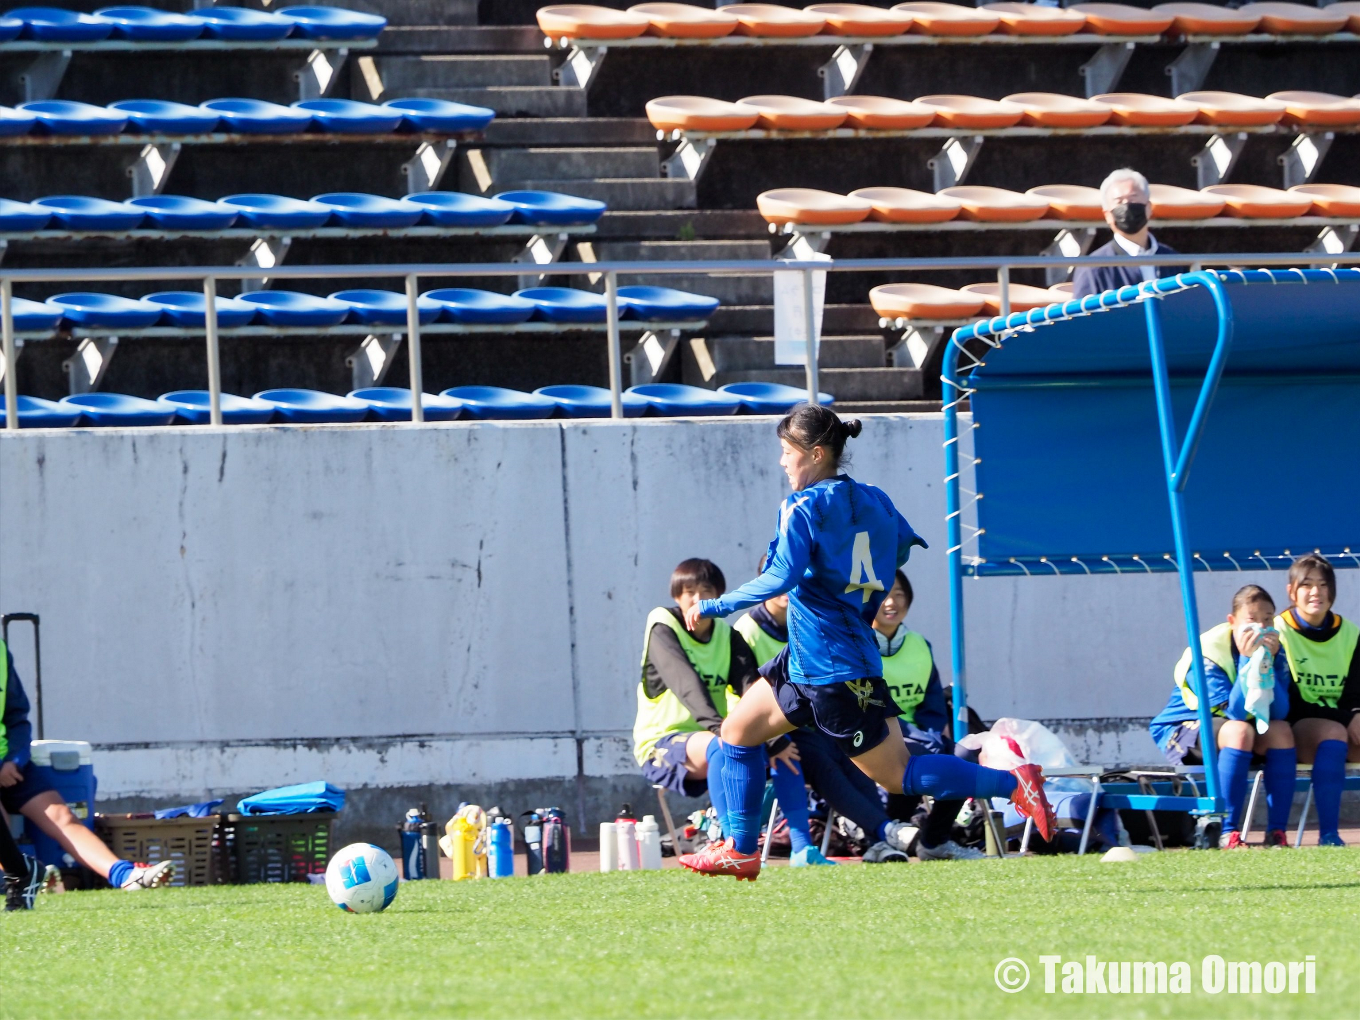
x=812, y=425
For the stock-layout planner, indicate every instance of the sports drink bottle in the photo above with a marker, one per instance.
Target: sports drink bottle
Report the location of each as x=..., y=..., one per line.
x=413, y=856
x=501, y=849
x=556, y=842
x=533, y=841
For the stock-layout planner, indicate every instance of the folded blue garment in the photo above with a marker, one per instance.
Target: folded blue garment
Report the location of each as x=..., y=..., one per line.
x=200, y=810
x=294, y=800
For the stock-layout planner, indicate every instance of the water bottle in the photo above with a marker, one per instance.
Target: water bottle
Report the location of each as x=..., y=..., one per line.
x=463, y=841
x=533, y=841
x=609, y=847
x=501, y=848
x=429, y=848
x=649, y=843
x=413, y=855
x=626, y=830
x=556, y=842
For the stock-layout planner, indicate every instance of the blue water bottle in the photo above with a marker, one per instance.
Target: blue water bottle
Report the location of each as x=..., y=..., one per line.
x=500, y=849
x=412, y=851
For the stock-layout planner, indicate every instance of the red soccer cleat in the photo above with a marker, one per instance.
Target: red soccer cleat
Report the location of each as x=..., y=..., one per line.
x=1030, y=801
x=721, y=858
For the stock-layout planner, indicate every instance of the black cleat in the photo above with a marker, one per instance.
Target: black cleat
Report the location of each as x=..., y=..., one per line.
x=22, y=890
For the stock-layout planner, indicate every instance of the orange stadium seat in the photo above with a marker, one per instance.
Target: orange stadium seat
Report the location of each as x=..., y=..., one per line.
x=997, y=204
x=1121, y=19
x=1331, y=199
x=1023, y=297
x=695, y=113
x=1233, y=109
x=860, y=19
x=1172, y=203
x=773, y=21
x=685, y=21
x=1296, y=19
x=1035, y=19
x=1208, y=19
x=949, y=19
x=971, y=112
x=924, y=301
x=1318, y=109
x=902, y=205
x=882, y=113
x=807, y=205
x=788, y=113
x=1135, y=109
x=1349, y=8
x=1069, y=201
x=1251, y=201
x=583, y=21
x=1048, y=109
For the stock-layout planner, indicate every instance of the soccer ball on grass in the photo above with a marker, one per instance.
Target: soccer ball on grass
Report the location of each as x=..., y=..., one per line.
x=362, y=879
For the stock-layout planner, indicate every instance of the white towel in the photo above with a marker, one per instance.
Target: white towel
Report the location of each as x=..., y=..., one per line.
x=1258, y=676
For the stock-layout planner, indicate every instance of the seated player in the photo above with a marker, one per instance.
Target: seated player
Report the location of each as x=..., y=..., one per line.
x=1320, y=647
x=914, y=682
x=1226, y=649
x=689, y=682
x=23, y=790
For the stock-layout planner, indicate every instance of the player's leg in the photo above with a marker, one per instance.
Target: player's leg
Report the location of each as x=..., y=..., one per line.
x=1277, y=745
x=23, y=875
x=1235, y=740
x=849, y=792
x=49, y=812
x=1324, y=743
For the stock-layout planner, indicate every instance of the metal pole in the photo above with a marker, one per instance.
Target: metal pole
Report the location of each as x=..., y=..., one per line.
x=810, y=326
x=11, y=368
x=953, y=393
x=416, y=370
x=1003, y=279
x=214, y=350
x=611, y=298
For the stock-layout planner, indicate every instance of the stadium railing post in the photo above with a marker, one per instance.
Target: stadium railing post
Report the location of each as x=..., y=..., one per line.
x=214, y=350
x=1003, y=283
x=611, y=297
x=11, y=375
x=413, y=348
x=810, y=326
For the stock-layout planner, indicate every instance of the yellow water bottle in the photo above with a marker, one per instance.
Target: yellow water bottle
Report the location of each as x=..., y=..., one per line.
x=462, y=836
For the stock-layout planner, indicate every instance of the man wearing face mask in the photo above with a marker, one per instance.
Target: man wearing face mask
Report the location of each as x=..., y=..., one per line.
x=1126, y=199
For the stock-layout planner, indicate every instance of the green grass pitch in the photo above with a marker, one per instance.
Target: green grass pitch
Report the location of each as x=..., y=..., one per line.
x=887, y=941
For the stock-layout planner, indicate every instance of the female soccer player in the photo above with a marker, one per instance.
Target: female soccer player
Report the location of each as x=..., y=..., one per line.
x=836, y=538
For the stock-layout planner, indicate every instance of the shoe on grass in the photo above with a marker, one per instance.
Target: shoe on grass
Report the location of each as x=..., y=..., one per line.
x=722, y=858
x=1231, y=841
x=149, y=876
x=808, y=857
x=883, y=852
x=1277, y=837
x=1331, y=839
x=901, y=835
x=22, y=890
x=949, y=851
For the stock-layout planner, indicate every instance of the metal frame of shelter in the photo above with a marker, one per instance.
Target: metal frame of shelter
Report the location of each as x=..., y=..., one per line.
x=1178, y=457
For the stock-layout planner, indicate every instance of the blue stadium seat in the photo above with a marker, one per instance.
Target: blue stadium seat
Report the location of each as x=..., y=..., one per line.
x=10, y=28
x=16, y=122
x=160, y=116
x=770, y=397
x=34, y=316
x=19, y=216
x=463, y=304
x=549, y=209
x=37, y=413
x=105, y=311
x=277, y=212
x=591, y=401
x=79, y=212
x=106, y=409
x=679, y=400
x=355, y=209
x=176, y=212
x=240, y=23
x=392, y=403
x=565, y=304
x=333, y=23
x=385, y=307
x=146, y=24
x=313, y=406
x=64, y=117
x=500, y=403
x=656, y=304
x=348, y=116
x=194, y=407
x=54, y=24
x=292, y=308
x=442, y=114
x=456, y=209
x=257, y=117
x=186, y=308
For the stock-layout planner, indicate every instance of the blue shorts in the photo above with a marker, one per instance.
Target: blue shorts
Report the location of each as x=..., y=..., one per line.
x=15, y=797
x=853, y=713
x=666, y=766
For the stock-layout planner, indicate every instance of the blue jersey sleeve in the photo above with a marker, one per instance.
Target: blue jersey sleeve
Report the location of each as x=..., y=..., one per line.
x=787, y=562
x=906, y=538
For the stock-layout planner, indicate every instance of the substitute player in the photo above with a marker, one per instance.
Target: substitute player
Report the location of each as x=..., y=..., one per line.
x=836, y=539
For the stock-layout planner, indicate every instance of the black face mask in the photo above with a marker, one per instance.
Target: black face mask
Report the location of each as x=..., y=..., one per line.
x=1130, y=217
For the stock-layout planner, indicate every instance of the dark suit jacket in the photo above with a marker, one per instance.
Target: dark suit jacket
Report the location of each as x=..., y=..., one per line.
x=1095, y=279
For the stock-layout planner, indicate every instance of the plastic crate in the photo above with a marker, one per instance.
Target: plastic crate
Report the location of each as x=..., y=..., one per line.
x=275, y=848
x=189, y=842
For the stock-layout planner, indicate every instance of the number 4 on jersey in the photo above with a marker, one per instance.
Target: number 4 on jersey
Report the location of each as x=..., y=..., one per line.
x=862, y=569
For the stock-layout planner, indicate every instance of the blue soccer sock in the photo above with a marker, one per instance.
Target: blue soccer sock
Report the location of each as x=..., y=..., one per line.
x=743, y=776
x=1232, y=780
x=792, y=794
x=119, y=872
x=1281, y=771
x=945, y=777
x=716, y=792
x=1329, y=773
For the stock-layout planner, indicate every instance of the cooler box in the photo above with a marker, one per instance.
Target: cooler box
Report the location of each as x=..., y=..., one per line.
x=67, y=767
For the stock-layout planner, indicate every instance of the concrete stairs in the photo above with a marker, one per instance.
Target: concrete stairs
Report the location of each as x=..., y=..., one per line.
x=735, y=289
x=625, y=177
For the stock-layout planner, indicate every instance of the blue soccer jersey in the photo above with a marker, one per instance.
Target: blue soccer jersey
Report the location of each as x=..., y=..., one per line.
x=835, y=551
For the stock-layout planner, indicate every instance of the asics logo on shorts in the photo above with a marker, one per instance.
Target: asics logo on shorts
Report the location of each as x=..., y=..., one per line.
x=859, y=738
x=863, y=690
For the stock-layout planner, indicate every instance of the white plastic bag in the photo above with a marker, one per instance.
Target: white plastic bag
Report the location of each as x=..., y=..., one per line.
x=1037, y=744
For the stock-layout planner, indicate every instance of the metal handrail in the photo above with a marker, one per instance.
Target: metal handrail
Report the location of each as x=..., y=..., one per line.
x=412, y=273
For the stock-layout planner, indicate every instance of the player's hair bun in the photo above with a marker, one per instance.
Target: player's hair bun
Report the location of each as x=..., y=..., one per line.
x=853, y=428
x=810, y=425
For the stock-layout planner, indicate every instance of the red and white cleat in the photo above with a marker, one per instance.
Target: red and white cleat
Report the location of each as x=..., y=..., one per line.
x=721, y=858
x=1030, y=801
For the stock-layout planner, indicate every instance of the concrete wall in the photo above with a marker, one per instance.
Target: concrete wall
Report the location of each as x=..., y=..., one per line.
x=456, y=611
